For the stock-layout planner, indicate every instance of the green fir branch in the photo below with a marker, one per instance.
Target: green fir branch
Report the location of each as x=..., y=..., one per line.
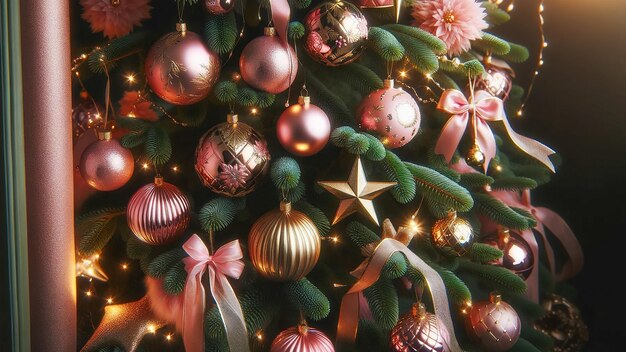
x=397, y=171
x=175, y=279
x=332, y=104
x=316, y=215
x=489, y=43
x=191, y=115
x=217, y=214
x=435, y=44
x=296, y=29
x=383, y=301
x=133, y=139
x=360, y=234
x=137, y=249
x=160, y=265
x=497, y=277
x=458, y=293
x=514, y=183
x=384, y=44
x=95, y=229
x=158, y=145
x=499, y=212
x=285, y=173
x=517, y=54
x=439, y=189
x=395, y=267
x=247, y=97
x=418, y=53
x=226, y=91
x=340, y=136
x=484, y=253
x=471, y=68
x=475, y=180
x=294, y=195
x=221, y=32
x=307, y=298
x=495, y=15
x=357, y=144
x=376, y=150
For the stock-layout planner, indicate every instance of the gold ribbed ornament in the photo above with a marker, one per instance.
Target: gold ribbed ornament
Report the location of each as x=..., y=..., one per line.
x=284, y=244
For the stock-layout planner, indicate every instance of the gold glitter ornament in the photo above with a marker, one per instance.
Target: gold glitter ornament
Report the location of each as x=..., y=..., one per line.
x=453, y=235
x=564, y=324
x=124, y=325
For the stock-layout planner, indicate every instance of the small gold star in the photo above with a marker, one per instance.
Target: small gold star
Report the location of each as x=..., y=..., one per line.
x=356, y=194
x=88, y=266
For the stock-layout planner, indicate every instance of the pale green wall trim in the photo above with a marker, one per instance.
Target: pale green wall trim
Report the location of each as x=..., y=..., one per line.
x=13, y=140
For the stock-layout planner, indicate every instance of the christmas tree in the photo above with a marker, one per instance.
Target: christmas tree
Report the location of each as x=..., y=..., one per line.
x=312, y=176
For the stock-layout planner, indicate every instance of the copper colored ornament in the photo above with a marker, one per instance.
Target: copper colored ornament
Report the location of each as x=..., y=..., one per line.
x=86, y=115
x=268, y=64
x=124, y=325
x=105, y=165
x=517, y=254
x=284, y=244
x=453, y=235
x=303, y=129
x=418, y=331
x=158, y=213
x=375, y=4
x=180, y=68
x=475, y=157
x=564, y=324
x=302, y=338
x=495, y=325
x=336, y=33
x=497, y=79
x=232, y=158
x=391, y=114
x=218, y=7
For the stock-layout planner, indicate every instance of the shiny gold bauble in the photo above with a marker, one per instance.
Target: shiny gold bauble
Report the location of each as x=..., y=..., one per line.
x=453, y=235
x=494, y=324
x=284, y=244
x=475, y=157
x=563, y=322
x=418, y=331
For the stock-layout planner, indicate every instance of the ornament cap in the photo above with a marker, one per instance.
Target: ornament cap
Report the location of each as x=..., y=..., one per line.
x=388, y=83
x=285, y=206
x=418, y=310
x=504, y=237
x=304, y=100
x=495, y=297
x=269, y=31
x=105, y=135
x=303, y=329
x=181, y=27
x=232, y=118
x=158, y=180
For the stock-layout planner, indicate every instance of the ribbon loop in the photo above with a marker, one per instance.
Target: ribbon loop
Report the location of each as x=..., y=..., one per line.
x=225, y=262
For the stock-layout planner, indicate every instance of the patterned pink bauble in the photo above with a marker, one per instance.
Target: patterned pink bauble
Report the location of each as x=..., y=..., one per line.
x=375, y=4
x=495, y=325
x=418, y=331
x=180, y=68
x=232, y=158
x=497, y=79
x=105, y=165
x=267, y=64
x=391, y=114
x=303, y=129
x=302, y=338
x=218, y=7
x=158, y=213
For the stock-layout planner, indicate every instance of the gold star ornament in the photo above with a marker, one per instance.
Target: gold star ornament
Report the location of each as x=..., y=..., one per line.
x=356, y=194
x=124, y=325
x=89, y=267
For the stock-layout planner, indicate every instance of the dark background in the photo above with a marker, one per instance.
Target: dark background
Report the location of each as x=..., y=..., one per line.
x=579, y=108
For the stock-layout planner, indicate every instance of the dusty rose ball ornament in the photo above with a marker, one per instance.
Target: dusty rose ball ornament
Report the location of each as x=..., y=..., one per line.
x=158, y=213
x=86, y=115
x=495, y=325
x=391, y=114
x=497, y=79
x=302, y=338
x=517, y=254
x=218, y=7
x=268, y=64
x=232, y=158
x=180, y=68
x=336, y=33
x=375, y=4
x=105, y=165
x=303, y=129
x=418, y=331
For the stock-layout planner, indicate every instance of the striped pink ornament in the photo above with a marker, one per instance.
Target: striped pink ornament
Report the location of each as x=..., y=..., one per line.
x=158, y=213
x=302, y=338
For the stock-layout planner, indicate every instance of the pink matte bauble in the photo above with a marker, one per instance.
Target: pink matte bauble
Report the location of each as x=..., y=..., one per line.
x=105, y=165
x=391, y=114
x=303, y=129
x=302, y=338
x=375, y=4
x=180, y=68
x=218, y=7
x=158, y=213
x=493, y=324
x=268, y=64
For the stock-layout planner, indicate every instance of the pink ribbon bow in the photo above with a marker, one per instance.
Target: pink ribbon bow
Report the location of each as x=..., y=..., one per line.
x=482, y=108
x=280, y=16
x=225, y=262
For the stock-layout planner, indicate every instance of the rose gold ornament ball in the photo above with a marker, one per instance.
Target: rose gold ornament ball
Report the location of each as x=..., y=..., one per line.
x=158, y=213
x=497, y=79
x=495, y=325
x=105, y=165
x=391, y=114
x=268, y=64
x=375, y=4
x=303, y=129
x=302, y=338
x=517, y=254
x=180, y=68
x=86, y=115
x=418, y=331
x=218, y=7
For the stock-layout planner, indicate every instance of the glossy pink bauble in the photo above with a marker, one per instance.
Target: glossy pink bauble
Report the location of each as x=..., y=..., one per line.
x=180, y=68
x=303, y=129
x=218, y=7
x=268, y=64
x=105, y=165
x=86, y=115
x=494, y=324
x=497, y=79
x=302, y=338
x=375, y=4
x=158, y=213
x=518, y=257
x=391, y=114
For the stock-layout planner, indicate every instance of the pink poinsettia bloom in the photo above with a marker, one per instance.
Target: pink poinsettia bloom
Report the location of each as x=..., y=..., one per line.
x=115, y=18
x=233, y=176
x=134, y=105
x=456, y=22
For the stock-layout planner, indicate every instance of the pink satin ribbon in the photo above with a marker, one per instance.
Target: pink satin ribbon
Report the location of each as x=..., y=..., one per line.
x=280, y=17
x=225, y=262
x=483, y=108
